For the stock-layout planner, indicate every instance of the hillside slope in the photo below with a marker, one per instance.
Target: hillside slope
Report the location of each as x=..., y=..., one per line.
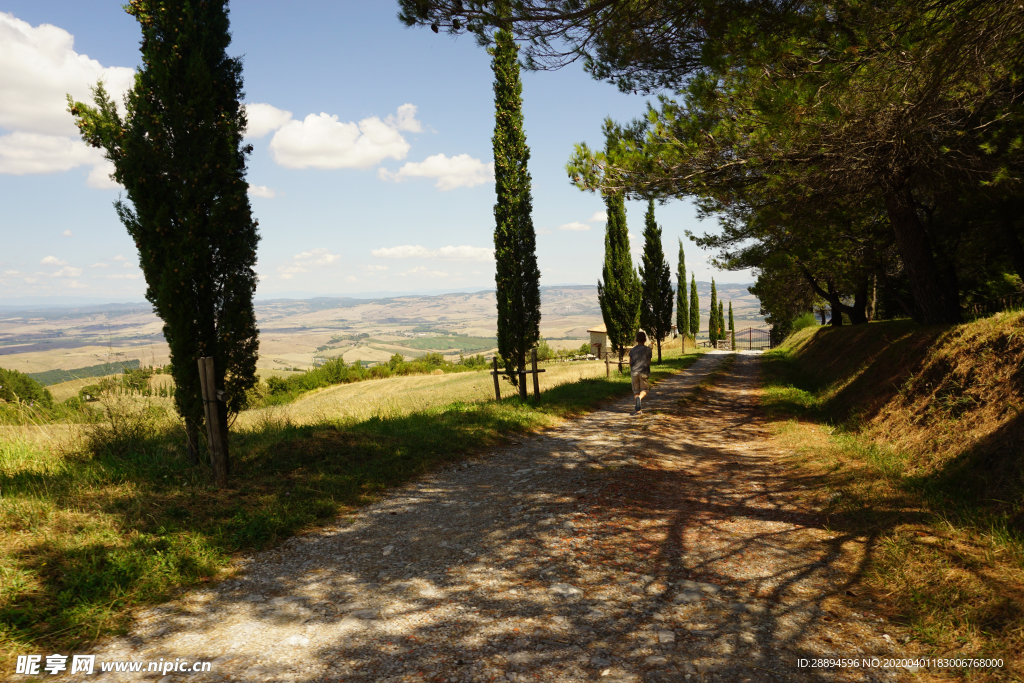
x=947, y=400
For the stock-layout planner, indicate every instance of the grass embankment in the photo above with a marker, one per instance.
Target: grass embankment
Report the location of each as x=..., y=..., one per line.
x=121, y=520
x=916, y=436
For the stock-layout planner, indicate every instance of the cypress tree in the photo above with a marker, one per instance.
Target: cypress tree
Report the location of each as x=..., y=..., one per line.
x=682, y=309
x=517, y=278
x=619, y=290
x=721, y=320
x=656, y=283
x=713, y=316
x=180, y=156
x=732, y=326
x=694, y=308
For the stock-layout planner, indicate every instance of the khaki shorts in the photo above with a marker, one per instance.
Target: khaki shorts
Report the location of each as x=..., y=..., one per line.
x=640, y=384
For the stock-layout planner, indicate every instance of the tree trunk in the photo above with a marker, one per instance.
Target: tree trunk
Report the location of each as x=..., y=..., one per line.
x=857, y=312
x=192, y=442
x=659, y=352
x=222, y=416
x=837, y=313
x=932, y=302
x=873, y=303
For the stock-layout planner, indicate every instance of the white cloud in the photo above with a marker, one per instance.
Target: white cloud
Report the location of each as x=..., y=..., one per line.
x=351, y=278
x=119, y=258
x=404, y=251
x=598, y=217
x=262, y=191
x=423, y=271
x=99, y=265
x=449, y=253
x=22, y=153
x=372, y=268
x=40, y=66
x=67, y=233
x=545, y=231
x=52, y=261
x=99, y=177
x=68, y=271
x=264, y=118
x=75, y=284
x=405, y=119
x=306, y=262
x=317, y=257
x=575, y=226
x=124, y=276
x=458, y=171
x=465, y=253
x=322, y=141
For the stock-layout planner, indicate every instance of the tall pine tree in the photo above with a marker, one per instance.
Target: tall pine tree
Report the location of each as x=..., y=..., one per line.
x=618, y=291
x=682, y=309
x=180, y=156
x=713, y=317
x=656, y=283
x=732, y=326
x=721, y=320
x=517, y=278
x=694, y=308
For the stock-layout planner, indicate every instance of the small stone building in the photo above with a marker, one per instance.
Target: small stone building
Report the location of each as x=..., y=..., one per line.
x=599, y=340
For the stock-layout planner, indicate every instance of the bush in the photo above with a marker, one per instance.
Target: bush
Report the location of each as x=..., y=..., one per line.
x=584, y=349
x=802, y=322
x=544, y=352
x=18, y=387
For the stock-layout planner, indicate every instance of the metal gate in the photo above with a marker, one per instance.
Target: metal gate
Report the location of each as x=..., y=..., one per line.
x=753, y=339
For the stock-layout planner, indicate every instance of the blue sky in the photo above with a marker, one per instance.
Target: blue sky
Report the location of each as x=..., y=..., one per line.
x=370, y=170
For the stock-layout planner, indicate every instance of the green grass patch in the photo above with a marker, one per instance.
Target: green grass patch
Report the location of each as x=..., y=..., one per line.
x=92, y=532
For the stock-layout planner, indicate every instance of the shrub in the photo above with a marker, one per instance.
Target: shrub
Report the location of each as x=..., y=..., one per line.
x=804, y=321
x=544, y=351
x=16, y=386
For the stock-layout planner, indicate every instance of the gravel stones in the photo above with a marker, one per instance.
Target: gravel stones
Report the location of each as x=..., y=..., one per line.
x=608, y=543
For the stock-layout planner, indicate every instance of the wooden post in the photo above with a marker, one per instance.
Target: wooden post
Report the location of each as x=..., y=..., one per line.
x=522, y=382
x=213, y=426
x=497, y=390
x=607, y=366
x=536, y=376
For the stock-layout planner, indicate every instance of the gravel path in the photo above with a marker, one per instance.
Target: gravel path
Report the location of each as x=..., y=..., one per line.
x=615, y=548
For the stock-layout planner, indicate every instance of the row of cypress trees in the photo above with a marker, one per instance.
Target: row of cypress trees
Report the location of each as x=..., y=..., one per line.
x=179, y=153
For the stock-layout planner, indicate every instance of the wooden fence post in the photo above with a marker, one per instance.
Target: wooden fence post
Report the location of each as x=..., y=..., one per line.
x=607, y=366
x=522, y=383
x=536, y=376
x=208, y=385
x=497, y=390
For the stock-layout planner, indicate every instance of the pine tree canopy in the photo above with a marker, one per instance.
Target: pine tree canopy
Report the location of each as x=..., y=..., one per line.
x=682, y=307
x=180, y=156
x=517, y=277
x=618, y=291
x=656, y=283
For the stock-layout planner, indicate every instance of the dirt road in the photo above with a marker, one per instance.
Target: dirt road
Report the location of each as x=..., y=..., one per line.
x=667, y=547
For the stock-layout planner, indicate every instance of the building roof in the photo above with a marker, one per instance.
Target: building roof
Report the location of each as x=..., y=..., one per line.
x=602, y=328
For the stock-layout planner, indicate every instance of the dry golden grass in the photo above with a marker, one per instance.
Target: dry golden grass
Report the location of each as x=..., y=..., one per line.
x=925, y=467
x=397, y=396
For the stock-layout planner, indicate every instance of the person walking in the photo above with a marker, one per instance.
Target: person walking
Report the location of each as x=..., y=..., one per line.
x=640, y=370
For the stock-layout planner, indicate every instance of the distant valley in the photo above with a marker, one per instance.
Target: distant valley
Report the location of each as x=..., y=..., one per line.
x=294, y=332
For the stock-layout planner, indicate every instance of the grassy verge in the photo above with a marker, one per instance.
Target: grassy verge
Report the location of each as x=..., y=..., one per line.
x=946, y=564
x=91, y=532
